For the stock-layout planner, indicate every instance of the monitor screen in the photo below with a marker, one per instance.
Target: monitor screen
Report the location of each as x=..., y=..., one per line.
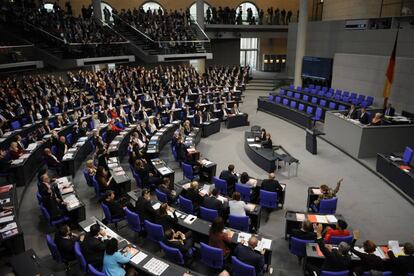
x=316, y=67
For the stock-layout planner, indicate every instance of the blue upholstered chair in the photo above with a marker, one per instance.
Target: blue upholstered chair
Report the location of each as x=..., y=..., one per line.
x=298, y=246
x=328, y=206
x=335, y=273
x=239, y=222
x=268, y=199
x=211, y=256
x=134, y=222
x=188, y=171
x=339, y=239
x=244, y=190
x=240, y=268
x=161, y=196
x=408, y=155
x=221, y=185
x=81, y=259
x=186, y=205
x=208, y=214
x=155, y=232
x=108, y=215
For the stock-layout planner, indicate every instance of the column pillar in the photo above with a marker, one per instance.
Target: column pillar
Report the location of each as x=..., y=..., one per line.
x=97, y=11
x=301, y=40
x=200, y=13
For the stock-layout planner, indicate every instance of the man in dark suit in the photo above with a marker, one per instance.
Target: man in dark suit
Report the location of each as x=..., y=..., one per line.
x=144, y=208
x=199, y=119
x=306, y=232
x=114, y=206
x=164, y=187
x=248, y=255
x=62, y=148
x=212, y=202
x=93, y=248
x=52, y=161
x=65, y=242
x=389, y=110
x=272, y=185
x=363, y=116
x=230, y=177
x=403, y=264
x=351, y=113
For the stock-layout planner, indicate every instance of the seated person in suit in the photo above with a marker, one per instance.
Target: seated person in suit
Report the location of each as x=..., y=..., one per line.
x=326, y=193
x=267, y=144
x=363, y=116
x=164, y=219
x=93, y=247
x=377, y=120
x=193, y=194
x=51, y=160
x=147, y=177
x=65, y=242
x=339, y=231
x=237, y=206
x=335, y=259
x=199, y=119
x=306, y=232
x=272, y=185
x=144, y=208
x=181, y=241
x=230, y=177
x=247, y=180
x=403, y=264
x=248, y=254
x=115, y=207
x=212, y=202
x=165, y=188
x=369, y=261
x=4, y=162
x=218, y=238
x=351, y=113
x=104, y=180
x=388, y=110
x=14, y=151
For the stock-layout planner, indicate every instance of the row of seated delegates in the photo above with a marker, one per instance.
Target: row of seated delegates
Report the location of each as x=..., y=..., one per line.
x=326, y=193
x=363, y=116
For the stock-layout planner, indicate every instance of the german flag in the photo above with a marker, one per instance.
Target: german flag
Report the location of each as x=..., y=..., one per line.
x=389, y=75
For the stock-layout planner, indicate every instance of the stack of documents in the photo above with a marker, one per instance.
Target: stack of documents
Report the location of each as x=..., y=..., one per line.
x=31, y=146
x=156, y=266
x=138, y=257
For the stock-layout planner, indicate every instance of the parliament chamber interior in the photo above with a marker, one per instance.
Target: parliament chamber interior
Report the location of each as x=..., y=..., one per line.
x=192, y=137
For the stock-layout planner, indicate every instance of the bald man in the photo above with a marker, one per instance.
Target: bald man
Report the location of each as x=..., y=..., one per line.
x=272, y=185
x=248, y=255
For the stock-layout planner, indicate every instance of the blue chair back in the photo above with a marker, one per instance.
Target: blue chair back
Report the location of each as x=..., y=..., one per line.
x=278, y=99
x=341, y=107
x=268, y=199
x=244, y=191
x=81, y=259
x=305, y=98
x=314, y=100
x=301, y=107
x=94, y=272
x=318, y=114
x=155, y=232
x=220, y=184
x=137, y=178
x=186, y=205
x=16, y=125
x=332, y=105
x=239, y=222
x=328, y=206
x=69, y=139
x=309, y=110
x=188, y=171
x=172, y=254
x=297, y=96
x=322, y=103
x=292, y=104
x=385, y=273
x=271, y=97
x=339, y=239
x=133, y=220
x=240, y=268
x=88, y=178
x=211, y=256
x=208, y=214
x=161, y=196
x=298, y=246
x=108, y=215
x=408, y=155
x=285, y=101
x=289, y=93
x=104, y=137
x=39, y=198
x=282, y=91
x=335, y=273
x=54, y=251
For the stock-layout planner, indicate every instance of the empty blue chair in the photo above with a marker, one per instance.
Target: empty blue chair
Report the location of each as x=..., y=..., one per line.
x=317, y=87
x=108, y=215
x=186, y=205
x=297, y=96
x=282, y=92
x=278, y=99
x=285, y=101
x=138, y=180
x=337, y=97
x=94, y=272
x=328, y=206
x=322, y=102
x=54, y=251
x=289, y=93
x=345, y=98
x=208, y=214
x=364, y=104
x=318, y=114
x=332, y=105
x=370, y=100
x=329, y=94
x=309, y=110
x=69, y=138
x=16, y=125
x=240, y=268
x=292, y=104
x=155, y=232
x=353, y=95
x=52, y=222
x=314, y=100
x=324, y=88
x=268, y=199
x=188, y=171
x=172, y=254
x=341, y=107
x=96, y=187
x=354, y=101
x=88, y=178
x=221, y=185
x=161, y=196
x=345, y=94
x=335, y=273
x=361, y=98
x=298, y=246
x=408, y=155
x=239, y=222
x=339, y=239
x=321, y=93
x=291, y=86
x=311, y=86
x=338, y=92
x=81, y=259
x=271, y=97
x=301, y=107
x=314, y=91
x=133, y=220
x=299, y=88
x=305, y=98
x=244, y=190
x=211, y=256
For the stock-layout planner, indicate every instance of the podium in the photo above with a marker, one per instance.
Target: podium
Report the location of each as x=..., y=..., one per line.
x=311, y=144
